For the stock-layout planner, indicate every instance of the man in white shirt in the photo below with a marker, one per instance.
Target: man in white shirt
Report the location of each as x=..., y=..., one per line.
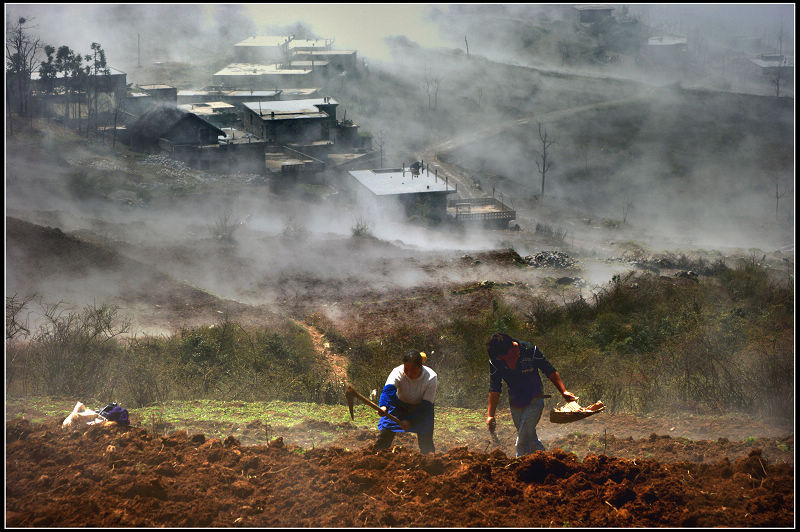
x=408, y=394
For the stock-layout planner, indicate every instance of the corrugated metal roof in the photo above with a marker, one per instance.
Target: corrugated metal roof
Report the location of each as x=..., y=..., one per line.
x=392, y=181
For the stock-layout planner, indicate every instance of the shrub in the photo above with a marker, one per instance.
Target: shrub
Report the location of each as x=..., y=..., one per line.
x=360, y=228
x=72, y=352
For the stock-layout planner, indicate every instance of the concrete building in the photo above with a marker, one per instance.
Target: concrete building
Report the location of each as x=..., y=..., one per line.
x=667, y=48
x=418, y=191
x=769, y=65
x=115, y=82
x=590, y=13
x=260, y=76
x=263, y=49
x=173, y=125
x=50, y=96
x=338, y=60
x=220, y=114
x=165, y=94
x=309, y=45
x=228, y=96
x=299, y=122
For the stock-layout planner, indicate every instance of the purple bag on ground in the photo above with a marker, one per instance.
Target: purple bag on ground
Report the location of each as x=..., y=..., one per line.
x=114, y=412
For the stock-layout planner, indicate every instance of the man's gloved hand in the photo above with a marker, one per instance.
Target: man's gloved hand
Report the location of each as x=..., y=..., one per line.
x=491, y=424
x=569, y=396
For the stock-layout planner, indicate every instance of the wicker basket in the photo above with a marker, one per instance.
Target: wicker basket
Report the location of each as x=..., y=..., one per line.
x=569, y=411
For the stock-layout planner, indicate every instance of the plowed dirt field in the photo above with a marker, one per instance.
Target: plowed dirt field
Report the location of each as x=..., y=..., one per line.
x=126, y=477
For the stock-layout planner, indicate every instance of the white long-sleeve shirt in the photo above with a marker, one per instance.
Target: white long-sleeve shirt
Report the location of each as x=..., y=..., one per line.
x=413, y=391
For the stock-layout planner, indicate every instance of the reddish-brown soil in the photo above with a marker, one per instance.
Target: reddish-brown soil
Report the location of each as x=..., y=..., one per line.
x=113, y=476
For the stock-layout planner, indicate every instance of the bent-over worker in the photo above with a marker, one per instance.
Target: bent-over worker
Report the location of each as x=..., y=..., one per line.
x=408, y=394
x=518, y=363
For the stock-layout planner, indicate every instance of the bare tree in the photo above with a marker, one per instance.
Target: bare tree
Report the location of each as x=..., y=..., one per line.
x=779, y=69
x=431, y=83
x=380, y=141
x=21, y=57
x=626, y=209
x=543, y=163
x=779, y=193
x=15, y=324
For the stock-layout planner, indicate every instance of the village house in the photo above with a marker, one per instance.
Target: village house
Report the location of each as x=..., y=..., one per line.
x=220, y=114
x=257, y=76
x=49, y=96
x=309, y=45
x=667, y=49
x=339, y=60
x=768, y=66
x=292, y=122
x=263, y=49
x=165, y=94
x=590, y=13
x=167, y=125
x=227, y=96
x=185, y=136
x=115, y=82
x=416, y=189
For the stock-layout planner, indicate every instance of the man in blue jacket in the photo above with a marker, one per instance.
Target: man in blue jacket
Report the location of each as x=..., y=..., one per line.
x=518, y=363
x=408, y=394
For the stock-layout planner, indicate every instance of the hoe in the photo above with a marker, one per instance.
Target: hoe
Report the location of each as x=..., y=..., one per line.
x=351, y=395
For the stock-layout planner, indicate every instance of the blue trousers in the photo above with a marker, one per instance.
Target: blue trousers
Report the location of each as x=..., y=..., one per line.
x=525, y=419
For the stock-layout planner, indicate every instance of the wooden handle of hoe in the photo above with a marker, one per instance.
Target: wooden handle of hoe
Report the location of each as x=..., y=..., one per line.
x=367, y=402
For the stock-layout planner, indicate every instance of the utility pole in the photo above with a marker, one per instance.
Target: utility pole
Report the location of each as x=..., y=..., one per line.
x=467, y=43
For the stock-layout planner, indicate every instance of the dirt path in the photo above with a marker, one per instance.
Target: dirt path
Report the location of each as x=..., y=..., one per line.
x=464, y=180
x=334, y=362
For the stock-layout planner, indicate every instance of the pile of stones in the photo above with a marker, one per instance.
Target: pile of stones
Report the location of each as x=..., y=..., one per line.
x=550, y=259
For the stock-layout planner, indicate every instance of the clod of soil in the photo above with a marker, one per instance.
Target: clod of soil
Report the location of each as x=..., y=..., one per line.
x=114, y=476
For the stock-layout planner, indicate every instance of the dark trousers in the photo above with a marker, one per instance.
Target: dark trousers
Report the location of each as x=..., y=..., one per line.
x=386, y=438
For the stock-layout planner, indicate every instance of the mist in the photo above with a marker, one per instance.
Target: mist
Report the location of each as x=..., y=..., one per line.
x=467, y=84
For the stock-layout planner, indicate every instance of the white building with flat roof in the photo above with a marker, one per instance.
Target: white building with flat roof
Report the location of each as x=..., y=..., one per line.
x=417, y=191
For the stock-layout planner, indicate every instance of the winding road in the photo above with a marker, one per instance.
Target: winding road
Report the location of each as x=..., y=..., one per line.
x=464, y=179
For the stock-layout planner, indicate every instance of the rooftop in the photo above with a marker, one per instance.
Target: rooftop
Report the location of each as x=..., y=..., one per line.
x=324, y=52
x=774, y=61
x=255, y=93
x=310, y=43
x=392, y=181
x=112, y=71
x=666, y=40
x=592, y=7
x=299, y=92
x=264, y=40
x=301, y=64
x=155, y=87
x=207, y=108
x=307, y=106
x=237, y=136
x=253, y=69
